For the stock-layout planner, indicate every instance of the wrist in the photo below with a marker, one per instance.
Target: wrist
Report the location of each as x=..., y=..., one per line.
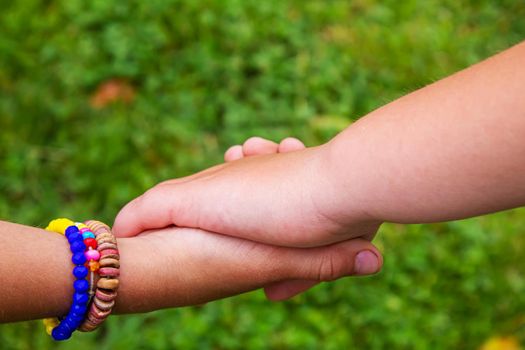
x=134, y=291
x=347, y=166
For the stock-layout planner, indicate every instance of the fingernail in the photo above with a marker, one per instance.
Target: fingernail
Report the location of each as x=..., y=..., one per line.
x=366, y=263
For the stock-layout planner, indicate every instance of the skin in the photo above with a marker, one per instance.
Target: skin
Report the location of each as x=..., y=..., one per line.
x=160, y=269
x=451, y=150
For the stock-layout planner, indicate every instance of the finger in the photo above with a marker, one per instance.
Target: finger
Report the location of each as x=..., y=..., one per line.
x=255, y=146
x=291, y=144
x=233, y=153
x=287, y=289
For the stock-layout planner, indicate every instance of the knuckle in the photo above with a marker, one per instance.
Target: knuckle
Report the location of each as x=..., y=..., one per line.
x=332, y=266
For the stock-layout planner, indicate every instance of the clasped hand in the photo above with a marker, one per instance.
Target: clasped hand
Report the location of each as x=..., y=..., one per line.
x=268, y=217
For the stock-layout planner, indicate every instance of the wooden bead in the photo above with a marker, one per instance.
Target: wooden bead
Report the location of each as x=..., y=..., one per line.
x=95, y=225
x=106, y=240
x=98, y=231
x=108, y=283
x=109, y=253
x=105, y=295
x=107, y=245
x=109, y=262
x=106, y=237
x=99, y=312
x=111, y=256
x=94, y=319
x=109, y=272
x=104, y=305
x=88, y=326
x=104, y=234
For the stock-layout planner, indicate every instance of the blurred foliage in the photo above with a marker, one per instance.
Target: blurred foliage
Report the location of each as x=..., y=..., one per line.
x=202, y=75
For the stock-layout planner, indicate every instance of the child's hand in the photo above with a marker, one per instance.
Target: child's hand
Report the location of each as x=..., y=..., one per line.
x=253, y=147
x=180, y=266
x=287, y=196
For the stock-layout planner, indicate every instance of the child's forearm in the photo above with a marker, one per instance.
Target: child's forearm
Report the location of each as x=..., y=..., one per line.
x=37, y=278
x=451, y=150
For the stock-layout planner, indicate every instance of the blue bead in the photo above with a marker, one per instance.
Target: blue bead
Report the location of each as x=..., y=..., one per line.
x=76, y=320
x=75, y=236
x=70, y=323
x=80, y=272
x=80, y=298
x=81, y=286
x=75, y=317
x=65, y=326
x=88, y=234
x=77, y=246
x=78, y=309
x=78, y=258
x=71, y=229
x=60, y=333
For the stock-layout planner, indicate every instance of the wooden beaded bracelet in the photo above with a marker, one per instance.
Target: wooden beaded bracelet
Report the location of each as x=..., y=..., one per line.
x=108, y=273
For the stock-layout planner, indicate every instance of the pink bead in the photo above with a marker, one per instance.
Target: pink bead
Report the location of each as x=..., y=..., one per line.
x=92, y=255
x=84, y=229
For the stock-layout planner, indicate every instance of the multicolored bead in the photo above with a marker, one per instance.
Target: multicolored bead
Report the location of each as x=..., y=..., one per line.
x=91, y=242
x=88, y=234
x=92, y=254
x=93, y=265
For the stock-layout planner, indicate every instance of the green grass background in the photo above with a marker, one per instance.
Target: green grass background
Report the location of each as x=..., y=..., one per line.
x=209, y=74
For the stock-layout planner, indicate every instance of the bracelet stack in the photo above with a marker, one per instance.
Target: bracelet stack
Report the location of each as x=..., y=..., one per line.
x=95, y=257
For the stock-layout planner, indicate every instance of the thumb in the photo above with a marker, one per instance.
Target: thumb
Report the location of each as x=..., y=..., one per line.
x=155, y=209
x=161, y=206
x=366, y=262
x=304, y=267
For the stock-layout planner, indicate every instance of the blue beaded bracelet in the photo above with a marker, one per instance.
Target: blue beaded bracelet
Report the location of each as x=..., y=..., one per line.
x=62, y=329
x=78, y=309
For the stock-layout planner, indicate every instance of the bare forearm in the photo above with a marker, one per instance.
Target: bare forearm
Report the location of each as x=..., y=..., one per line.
x=451, y=150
